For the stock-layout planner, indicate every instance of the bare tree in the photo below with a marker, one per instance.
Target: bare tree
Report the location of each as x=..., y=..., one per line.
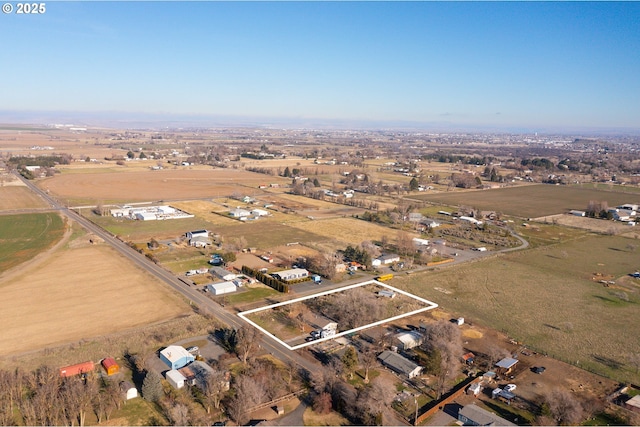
x=179, y=414
x=405, y=244
x=564, y=407
x=368, y=359
x=373, y=401
x=214, y=388
x=443, y=338
x=247, y=342
x=495, y=353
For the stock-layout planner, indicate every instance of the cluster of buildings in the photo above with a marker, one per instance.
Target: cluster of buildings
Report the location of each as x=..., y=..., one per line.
x=149, y=213
x=184, y=369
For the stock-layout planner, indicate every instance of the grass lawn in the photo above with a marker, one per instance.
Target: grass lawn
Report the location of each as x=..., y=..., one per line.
x=530, y=201
x=547, y=298
x=251, y=295
x=138, y=412
x=24, y=236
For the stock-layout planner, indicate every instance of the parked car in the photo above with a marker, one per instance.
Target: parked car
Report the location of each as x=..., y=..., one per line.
x=538, y=369
x=509, y=387
x=193, y=349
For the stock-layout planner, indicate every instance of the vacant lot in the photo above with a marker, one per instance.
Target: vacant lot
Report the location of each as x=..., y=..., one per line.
x=80, y=293
x=347, y=230
x=152, y=185
x=548, y=298
x=530, y=201
x=19, y=197
x=22, y=237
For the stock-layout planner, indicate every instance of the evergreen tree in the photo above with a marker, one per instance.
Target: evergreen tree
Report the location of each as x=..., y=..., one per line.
x=413, y=184
x=287, y=172
x=152, y=386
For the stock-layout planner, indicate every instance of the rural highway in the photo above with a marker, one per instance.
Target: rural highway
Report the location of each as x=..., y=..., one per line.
x=204, y=303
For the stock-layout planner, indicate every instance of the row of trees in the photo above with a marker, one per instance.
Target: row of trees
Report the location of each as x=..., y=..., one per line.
x=266, y=279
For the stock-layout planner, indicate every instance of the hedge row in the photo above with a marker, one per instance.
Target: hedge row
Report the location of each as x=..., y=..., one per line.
x=266, y=279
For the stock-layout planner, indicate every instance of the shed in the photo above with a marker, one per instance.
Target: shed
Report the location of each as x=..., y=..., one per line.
x=408, y=340
x=128, y=389
x=176, y=356
x=633, y=404
x=506, y=365
x=221, y=288
x=468, y=358
x=474, y=388
x=175, y=378
x=77, y=369
x=110, y=366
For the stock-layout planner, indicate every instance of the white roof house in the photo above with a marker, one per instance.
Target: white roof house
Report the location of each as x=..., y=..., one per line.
x=221, y=288
x=175, y=378
x=176, y=356
x=259, y=212
x=420, y=242
x=385, y=259
x=239, y=213
x=294, y=273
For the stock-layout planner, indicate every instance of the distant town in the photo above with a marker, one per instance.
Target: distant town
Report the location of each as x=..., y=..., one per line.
x=260, y=276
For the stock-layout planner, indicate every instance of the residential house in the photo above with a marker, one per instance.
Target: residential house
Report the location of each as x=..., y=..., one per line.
x=408, y=340
x=385, y=260
x=400, y=364
x=293, y=274
x=176, y=356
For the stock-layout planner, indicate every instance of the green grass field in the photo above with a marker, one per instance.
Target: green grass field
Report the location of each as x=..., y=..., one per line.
x=24, y=236
x=530, y=201
x=547, y=298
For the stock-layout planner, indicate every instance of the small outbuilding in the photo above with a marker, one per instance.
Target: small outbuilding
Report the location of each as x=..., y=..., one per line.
x=77, y=369
x=175, y=379
x=506, y=365
x=110, y=366
x=128, y=390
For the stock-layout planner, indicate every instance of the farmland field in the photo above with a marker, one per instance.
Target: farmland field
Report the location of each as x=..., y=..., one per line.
x=551, y=299
x=80, y=293
x=137, y=231
x=152, y=185
x=22, y=237
x=530, y=201
x=19, y=197
x=347, y=230
x=264, y=234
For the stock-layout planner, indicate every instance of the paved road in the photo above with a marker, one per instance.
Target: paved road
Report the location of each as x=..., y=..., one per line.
x=195, y=297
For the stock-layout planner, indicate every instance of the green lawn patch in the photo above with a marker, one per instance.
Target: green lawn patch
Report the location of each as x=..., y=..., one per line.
x=24, y=236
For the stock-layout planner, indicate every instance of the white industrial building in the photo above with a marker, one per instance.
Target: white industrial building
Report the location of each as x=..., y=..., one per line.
x=259, y=212
x=175, y=379
x=149, y=213
x=221, y=288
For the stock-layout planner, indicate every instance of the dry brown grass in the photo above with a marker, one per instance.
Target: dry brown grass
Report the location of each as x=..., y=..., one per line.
x=347, y=230
x=80, y=293
x=153, y=185
x=19, y=197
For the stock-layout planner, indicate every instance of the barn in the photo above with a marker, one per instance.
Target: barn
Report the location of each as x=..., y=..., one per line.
x=221, y=288
x=77, y=369
x=110, y=366
x=176, y=357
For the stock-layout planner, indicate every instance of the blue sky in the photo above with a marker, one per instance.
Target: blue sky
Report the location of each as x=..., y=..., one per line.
x=500, y=64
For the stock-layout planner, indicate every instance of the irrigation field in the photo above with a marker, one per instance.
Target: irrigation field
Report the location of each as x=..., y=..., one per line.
x=19, y=197
x=530, y=201
x=22, y=237
x=548, y=298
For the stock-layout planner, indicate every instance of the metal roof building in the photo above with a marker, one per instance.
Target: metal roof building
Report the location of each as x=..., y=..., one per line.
x=176, y=357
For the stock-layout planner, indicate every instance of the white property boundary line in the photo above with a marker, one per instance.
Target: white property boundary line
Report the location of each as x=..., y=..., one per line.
x=430, y=305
